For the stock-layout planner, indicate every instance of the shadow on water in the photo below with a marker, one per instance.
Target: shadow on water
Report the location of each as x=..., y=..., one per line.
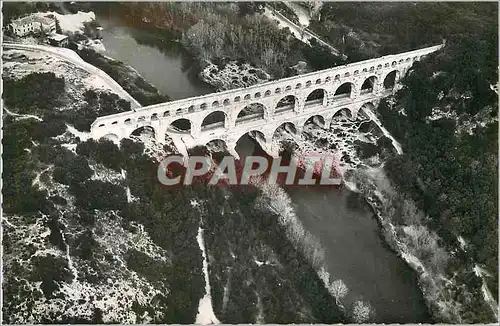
x=356, y=202
x=164, y=41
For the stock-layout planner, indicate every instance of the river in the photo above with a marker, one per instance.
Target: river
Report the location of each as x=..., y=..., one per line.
x=344, y=224
x=355, y=251
x=166, y=66
x=356, y=254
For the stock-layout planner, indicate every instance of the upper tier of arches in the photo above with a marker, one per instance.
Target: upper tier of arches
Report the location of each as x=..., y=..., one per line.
x=256, y=110
x=329, y=78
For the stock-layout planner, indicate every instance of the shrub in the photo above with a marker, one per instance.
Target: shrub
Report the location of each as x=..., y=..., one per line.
x=75, y=170
x=131, y=148
x=95, y=194
x=46, y=129
x=55, y=236
x=103, y=151
x=36, y=91
x=86, y=244
x=50, y=270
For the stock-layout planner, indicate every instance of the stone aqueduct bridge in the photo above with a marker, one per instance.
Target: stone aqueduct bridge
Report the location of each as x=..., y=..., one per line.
x=320, y=96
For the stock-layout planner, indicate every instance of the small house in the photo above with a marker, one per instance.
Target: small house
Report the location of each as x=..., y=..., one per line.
x=58, y=40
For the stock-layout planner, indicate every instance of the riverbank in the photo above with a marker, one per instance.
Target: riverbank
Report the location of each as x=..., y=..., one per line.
x=74, y=59
x=211, y=33
x=66, y=262
x=382, y=201
x=351, y=144
x=87, y=42
x=229, y=75
x=82, y=30
x=126, y=76
x=363, y=173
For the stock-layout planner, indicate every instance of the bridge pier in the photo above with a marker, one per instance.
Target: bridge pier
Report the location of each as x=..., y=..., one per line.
x=299, y=105
x=329, y=98
x=328, y=123
x=325, y=99
x=268, y=148
x=355, y=91
x=230, y=121
x=160, y=133
x=231, y=148
x=300, y=128
x=273, y=150
x=195, y=129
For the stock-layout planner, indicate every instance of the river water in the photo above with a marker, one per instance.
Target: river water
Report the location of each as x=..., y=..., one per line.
x=166, y=66
x=344, y=224
x=356, y=254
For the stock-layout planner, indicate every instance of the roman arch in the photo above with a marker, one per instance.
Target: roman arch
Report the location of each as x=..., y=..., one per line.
x=264, y=107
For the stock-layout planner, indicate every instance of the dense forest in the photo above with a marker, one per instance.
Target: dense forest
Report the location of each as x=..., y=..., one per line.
x=43, y=94
x=445, y=116
x=366, y=30
x=172, y=221
x=15, y=10
x=451, y=170
x=127, y=77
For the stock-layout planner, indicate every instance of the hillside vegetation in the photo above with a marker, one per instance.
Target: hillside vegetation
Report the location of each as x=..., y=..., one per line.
x=365, y=30
x=450, y=137
x=90, y=235
x=446, y=118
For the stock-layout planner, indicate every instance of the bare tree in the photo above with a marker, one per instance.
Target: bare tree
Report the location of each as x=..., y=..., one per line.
x=338, y=289
x=315, y=7
x=195, y=35
x=278, y=201
x=425, y=246
x=268, y=57
x=411, y=214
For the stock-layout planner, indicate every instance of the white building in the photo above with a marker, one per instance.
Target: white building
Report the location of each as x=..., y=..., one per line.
x=32, y=24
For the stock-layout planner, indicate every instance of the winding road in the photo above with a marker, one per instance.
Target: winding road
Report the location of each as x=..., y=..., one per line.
x=301, y=33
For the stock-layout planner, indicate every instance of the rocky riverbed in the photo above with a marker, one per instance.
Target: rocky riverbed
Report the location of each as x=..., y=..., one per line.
x=232, y=74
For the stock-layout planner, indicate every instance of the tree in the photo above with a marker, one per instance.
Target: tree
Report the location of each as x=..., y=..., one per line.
x=411, y=214
x=34, y=92
x=103, y=151
x=361, y=312
x=338, y=289
x=46, y=129
x=324, y=275
x=95, y=194
x=74, y=170
x=315, y=8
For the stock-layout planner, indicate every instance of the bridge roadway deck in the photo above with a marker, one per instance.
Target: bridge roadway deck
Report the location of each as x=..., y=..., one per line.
x=389, y=62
